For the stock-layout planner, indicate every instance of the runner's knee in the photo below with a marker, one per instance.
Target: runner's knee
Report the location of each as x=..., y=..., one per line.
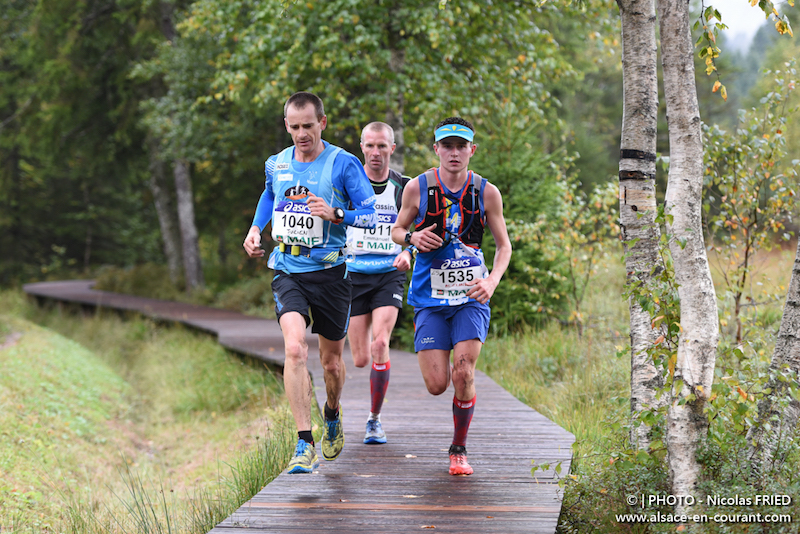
x=436, y=386
x=379, y=347
x=360, y=359
x=333, y=365
x=296, y=351
x=463, y=373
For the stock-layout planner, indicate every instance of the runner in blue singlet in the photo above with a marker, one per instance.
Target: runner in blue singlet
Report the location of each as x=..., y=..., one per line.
x=308, y=192
x=451, y=286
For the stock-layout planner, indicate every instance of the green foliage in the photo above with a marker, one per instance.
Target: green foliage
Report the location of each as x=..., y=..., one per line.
x=558, y=232
x=569, y=378
x=604, y=478
x=609, y=471
x=423, y=61
x=584, y=232
x=749, y=195
x=555, y=259
x=70, y=149
x=58, y=397
x=510, y=156
x=249, y=292
x=747, y=209
x=532, y=287
x=145, y=280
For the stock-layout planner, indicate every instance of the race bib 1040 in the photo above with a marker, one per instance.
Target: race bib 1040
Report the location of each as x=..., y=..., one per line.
x=293, y=224
x=450, y=278
x=376, y=240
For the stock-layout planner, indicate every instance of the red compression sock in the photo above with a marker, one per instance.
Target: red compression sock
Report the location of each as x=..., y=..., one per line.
x=378, y=383
x=462, y=417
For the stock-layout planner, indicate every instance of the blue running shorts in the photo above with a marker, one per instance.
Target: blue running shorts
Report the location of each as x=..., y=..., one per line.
x=441, y=327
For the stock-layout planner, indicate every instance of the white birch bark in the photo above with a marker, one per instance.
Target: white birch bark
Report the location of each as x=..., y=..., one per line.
x=637, y=198
x=778, y=409
x=192, y=268
x=687, y=425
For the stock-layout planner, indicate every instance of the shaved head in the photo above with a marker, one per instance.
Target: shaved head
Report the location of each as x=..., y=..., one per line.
x=378, y=126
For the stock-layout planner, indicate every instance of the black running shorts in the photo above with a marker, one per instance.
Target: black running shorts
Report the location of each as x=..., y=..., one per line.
x=325, y=293
x=372, y=291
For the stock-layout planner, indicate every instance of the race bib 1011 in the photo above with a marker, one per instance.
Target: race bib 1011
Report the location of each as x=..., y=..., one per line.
x=376, y=240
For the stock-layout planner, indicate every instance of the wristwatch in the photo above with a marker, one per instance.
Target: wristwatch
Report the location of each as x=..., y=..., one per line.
x=408, y=238
x=338, y=213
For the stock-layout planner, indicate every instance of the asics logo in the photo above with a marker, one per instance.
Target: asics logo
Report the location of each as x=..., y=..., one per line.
x=299, y=207
x=455, y=264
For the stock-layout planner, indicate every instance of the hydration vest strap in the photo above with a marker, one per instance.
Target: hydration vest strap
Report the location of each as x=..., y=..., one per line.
x=435, y=211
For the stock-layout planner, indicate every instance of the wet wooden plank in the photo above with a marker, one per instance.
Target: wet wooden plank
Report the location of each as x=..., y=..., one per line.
x=400, y=487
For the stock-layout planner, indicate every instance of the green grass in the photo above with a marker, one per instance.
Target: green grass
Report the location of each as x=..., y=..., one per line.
x=103, y=418
x=56, y=399
x=575, y=380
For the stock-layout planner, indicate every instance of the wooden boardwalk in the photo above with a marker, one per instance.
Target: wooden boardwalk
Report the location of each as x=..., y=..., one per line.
x=402, y=486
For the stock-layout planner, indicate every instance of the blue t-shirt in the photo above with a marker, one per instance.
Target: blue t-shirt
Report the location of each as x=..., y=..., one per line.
x=336, y=176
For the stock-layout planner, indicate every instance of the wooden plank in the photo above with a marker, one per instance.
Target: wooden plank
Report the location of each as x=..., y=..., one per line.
x=402, y=486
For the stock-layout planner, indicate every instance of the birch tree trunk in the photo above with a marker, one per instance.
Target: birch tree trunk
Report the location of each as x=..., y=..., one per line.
x=637, y=198
x=167, y=219
x=687, y=425
x=192, y=269
x=778, y=408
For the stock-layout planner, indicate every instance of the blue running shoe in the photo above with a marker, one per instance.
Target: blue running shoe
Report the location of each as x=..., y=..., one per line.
x=332, y=437
x=305, y=458
x=375, y=433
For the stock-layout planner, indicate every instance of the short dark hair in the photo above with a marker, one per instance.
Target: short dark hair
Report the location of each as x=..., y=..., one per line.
x=301, y=99
x=455, y=120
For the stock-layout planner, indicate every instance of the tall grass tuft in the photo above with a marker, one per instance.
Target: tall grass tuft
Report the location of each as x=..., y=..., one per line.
x=148, y=506
x=254, y=470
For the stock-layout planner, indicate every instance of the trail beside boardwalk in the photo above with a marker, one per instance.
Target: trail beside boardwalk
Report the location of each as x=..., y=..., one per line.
x=404, y=485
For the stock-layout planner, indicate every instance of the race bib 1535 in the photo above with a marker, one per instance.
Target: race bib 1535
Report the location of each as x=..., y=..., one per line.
x=450, y=278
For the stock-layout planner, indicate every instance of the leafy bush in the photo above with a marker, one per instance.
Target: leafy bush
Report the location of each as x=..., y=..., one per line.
x=532, y=288
x=749, y=195
x=145, y=280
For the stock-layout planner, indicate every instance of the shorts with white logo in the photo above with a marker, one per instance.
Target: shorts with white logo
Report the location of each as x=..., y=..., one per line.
x=441, y=327
x=372, y=291
x=326, y=293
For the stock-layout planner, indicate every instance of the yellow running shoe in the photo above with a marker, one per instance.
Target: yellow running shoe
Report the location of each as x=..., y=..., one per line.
x=332, y=437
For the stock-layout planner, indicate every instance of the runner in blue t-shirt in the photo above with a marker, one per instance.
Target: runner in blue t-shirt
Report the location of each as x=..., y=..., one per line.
x=451, y=285
x=308, y=190
x=377, y=267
